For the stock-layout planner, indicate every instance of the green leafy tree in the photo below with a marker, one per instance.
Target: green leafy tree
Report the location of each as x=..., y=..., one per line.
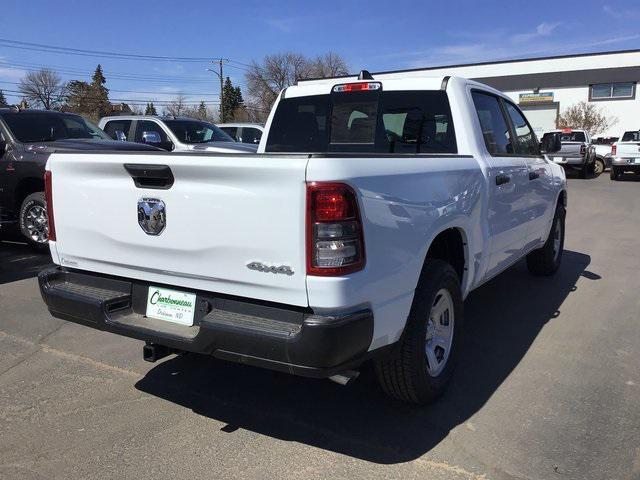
x=150, y=110
x=231, y=100
x=3, y=100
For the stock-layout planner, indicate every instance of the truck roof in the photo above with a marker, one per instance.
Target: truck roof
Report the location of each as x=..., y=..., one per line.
x=389, y=83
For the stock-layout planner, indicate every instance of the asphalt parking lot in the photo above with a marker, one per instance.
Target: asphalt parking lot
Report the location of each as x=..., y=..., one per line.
x=548, y=385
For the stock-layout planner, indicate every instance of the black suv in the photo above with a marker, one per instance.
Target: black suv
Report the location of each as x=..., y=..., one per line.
x=27, y=138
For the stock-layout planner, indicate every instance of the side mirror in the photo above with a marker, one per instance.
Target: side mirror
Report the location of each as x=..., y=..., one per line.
x=551, y=143
x=151, y=137
x=120, y=136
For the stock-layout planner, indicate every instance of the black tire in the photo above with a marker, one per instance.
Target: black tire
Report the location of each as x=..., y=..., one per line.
x=546, y=259
x=34, y=203
x=599, y=167
x=614, y=174
x=403, y=373
x=584, y=171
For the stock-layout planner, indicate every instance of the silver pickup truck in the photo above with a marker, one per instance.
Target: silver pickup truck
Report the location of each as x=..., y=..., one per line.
x=576, y=152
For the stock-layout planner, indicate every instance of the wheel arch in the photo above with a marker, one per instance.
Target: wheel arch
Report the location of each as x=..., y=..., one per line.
x=26, y=187
x=451, y=245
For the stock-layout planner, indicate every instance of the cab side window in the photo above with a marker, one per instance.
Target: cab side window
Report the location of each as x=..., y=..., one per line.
x=112, y=126
x=148, y=126
x=495, y=128
x=251, y=135
x=526, y=142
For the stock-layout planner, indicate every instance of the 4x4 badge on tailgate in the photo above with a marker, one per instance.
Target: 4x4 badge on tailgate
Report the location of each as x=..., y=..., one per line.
x=152, y=215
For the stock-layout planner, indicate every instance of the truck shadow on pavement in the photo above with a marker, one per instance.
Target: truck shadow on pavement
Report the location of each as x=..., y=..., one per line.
x=19, y=261
x=503, y=319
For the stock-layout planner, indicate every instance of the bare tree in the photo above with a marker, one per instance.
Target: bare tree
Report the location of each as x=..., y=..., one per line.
x=586, y=116
x=328, y=65
x=176, y=107
x=265, y=80
x=44, y=87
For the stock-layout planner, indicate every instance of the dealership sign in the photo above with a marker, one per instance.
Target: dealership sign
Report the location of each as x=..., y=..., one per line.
x=541, y=97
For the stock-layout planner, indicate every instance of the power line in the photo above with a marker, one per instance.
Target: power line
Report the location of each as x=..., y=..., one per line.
x=40, y=47
x=186, y=94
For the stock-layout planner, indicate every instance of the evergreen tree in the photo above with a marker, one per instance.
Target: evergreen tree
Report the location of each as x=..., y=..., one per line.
x=151, y=109
x=231, y=100
x=99, y=94
x=3, y=100
x=201, y=112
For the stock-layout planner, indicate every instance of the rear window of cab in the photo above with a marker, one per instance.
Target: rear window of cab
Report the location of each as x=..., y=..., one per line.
x=364, y=122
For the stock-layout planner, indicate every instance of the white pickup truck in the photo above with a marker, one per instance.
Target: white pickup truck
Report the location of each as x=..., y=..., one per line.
x=625, y=154
x=371, y=211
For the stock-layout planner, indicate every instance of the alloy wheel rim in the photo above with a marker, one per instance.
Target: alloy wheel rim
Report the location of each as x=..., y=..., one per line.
x=439, y=337
x=599, y=168
x=37, y=224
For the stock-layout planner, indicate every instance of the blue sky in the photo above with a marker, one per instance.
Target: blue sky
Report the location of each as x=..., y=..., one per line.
x=373, y=35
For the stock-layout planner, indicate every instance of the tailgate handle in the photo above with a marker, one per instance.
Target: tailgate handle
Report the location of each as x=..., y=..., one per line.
x=150, y=176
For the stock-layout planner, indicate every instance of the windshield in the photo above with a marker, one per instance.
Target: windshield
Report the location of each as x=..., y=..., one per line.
x=29, y=127
x=573, y=137
x=361, y=122
x=194, y=131
x=631, y=136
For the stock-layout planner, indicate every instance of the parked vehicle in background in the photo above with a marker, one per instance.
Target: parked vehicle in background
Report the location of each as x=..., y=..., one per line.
x=602, y=147
x=576, y=152
x=625, y=154
x=349, y=237
x=27, y=138
x=174, y=134
x=243, y=132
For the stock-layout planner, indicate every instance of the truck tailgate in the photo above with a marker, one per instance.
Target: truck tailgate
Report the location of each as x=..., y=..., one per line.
x=222, y=213
x=628, y=149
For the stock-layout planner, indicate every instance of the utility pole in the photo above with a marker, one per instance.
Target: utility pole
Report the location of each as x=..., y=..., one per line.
x=221, y=77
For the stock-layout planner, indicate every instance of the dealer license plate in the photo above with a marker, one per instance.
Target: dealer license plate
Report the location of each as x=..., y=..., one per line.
x=171, y=305
x=636, y=160
x=558, y=159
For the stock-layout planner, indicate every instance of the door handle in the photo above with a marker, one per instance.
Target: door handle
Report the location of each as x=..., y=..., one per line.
x=502, y=178
x=534, y=174
x=157, y=177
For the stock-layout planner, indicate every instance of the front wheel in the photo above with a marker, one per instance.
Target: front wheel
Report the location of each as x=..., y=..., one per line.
x=34, y=225
x=546, y=259
x=419, y=368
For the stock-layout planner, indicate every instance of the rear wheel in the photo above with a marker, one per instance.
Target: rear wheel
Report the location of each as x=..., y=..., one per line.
x=546, y=259
x=598, y=166
x=418, y=370
x=34, y=225
x=614, y=174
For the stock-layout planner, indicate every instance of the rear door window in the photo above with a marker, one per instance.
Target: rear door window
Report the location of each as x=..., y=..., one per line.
x=232, y=132
x=113, y=126
x=251, y=135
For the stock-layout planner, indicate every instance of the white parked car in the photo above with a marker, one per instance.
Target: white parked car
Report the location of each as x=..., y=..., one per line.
x=625, y=154
x=174, y=134
x=351, y=237
x=243, y=132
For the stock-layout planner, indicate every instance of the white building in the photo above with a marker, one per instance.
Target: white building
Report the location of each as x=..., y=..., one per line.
x=544, y=87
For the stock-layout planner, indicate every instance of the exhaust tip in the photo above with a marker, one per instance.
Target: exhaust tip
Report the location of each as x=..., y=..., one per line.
x=345, y=377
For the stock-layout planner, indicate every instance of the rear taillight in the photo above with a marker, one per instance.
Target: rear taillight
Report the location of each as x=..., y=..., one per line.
x=335, y=243
x=48, y=195
x=583, y=150
x=614, y=149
